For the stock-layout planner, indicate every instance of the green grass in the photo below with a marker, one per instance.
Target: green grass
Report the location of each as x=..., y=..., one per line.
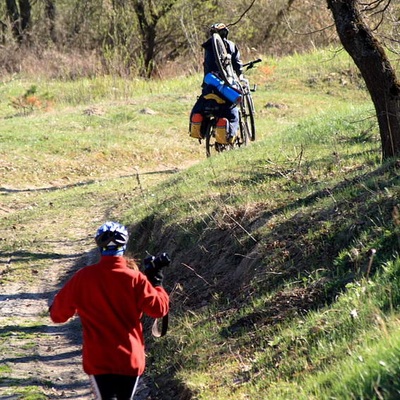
x=275, y=291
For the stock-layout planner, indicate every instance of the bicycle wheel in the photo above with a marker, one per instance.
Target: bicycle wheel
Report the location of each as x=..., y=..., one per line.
x=249, y=116
x=222, y=58
x=210, y=137
x=211, y=144
x=244, y=131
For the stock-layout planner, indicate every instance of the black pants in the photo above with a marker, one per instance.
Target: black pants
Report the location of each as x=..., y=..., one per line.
x=114, y=387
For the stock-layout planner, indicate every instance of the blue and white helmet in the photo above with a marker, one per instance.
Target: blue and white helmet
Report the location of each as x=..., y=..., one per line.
x=220, y=28
x=112, y=238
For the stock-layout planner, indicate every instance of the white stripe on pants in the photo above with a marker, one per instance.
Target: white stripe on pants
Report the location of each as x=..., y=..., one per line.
x=96, y=390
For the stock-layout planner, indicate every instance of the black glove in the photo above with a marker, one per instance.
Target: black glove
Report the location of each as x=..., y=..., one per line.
x=155, y=276
x=153, y=268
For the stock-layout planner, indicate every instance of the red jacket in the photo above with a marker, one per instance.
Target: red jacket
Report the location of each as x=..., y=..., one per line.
x=110, y=299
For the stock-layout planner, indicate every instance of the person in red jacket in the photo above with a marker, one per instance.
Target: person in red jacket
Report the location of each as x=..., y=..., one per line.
x=110, y=299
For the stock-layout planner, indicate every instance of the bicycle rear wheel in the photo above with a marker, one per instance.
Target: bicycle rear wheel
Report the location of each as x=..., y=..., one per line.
x=210, y=137
x=244, y=131
x=223, y=59
x=211, y=145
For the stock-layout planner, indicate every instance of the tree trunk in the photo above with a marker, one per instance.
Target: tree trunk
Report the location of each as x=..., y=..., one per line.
x=147, y=25
x=375, y=69
x=13, y=14
x=25, y=11
x=50, y=12
x=20, y=18
x=148, y=16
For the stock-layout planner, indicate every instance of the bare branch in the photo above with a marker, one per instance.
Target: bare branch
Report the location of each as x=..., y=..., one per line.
x=309, y=32
x=244, y=13
x=374, y=5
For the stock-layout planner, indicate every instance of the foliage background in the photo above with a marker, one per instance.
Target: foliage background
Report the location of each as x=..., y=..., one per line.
x=102, y=37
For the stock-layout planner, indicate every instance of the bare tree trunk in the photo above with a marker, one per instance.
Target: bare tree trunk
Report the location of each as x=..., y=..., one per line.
x=147, y=26
x=25, y=11
x=20, y=16
x=13, y=14
x=149, y=15
x=50, y=12
x=375, y=68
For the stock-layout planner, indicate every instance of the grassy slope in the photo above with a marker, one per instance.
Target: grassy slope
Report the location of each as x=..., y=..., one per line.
x=264, y=240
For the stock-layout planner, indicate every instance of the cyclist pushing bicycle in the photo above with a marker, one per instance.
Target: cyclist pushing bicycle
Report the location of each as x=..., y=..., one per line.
x=223, y=104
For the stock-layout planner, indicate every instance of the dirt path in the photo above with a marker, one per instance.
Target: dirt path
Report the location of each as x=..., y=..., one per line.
x=40, y=353
x=39, y=357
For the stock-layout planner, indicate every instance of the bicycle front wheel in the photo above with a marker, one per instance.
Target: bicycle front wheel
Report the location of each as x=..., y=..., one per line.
x=249, y=116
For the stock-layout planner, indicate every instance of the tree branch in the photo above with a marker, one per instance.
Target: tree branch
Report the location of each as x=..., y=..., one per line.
x=244, y=13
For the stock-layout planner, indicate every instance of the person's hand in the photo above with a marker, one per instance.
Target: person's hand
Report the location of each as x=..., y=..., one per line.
x=153, y=268
x=155, y=276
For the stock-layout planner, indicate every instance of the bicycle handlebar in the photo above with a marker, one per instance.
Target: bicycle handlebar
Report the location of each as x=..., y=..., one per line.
x=250, y=64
